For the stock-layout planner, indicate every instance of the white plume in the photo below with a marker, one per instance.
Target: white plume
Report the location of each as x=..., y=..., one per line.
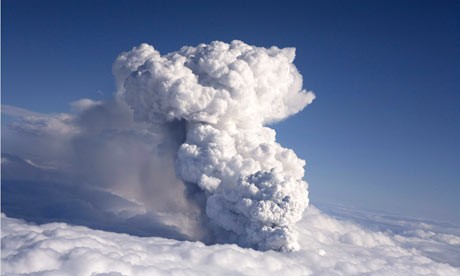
x=224, y=95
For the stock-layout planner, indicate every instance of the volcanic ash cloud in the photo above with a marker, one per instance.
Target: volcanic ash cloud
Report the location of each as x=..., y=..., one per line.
x=224, y=95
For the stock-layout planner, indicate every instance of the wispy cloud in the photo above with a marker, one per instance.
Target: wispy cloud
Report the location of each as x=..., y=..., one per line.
x=19, y=112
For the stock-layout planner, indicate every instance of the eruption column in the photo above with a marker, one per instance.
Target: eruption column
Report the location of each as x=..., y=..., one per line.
x=226, y=94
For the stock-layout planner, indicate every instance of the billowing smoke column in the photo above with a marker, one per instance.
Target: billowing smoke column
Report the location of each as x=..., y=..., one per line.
x=224, y=95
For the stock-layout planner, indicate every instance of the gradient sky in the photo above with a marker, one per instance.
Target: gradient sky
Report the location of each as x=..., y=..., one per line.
x=384, y=131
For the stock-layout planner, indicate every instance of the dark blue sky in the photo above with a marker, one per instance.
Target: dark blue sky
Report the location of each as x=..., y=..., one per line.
x=383, y=132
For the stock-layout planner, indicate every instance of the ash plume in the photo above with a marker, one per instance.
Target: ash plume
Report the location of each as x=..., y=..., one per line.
x=223, y=96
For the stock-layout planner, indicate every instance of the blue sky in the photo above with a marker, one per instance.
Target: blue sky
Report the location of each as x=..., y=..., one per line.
x=383, y=132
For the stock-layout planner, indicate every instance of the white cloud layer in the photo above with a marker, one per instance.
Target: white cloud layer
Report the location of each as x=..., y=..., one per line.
x=251, y=187
x=328, y=246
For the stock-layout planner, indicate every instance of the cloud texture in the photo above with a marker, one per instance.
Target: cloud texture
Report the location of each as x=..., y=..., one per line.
x=225, y=95
x=329, y=246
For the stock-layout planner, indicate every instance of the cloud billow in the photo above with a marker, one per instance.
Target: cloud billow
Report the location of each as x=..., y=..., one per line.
x=225, y=95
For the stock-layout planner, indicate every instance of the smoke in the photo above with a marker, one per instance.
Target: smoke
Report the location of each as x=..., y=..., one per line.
x=98, y=152
x=223, y=96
